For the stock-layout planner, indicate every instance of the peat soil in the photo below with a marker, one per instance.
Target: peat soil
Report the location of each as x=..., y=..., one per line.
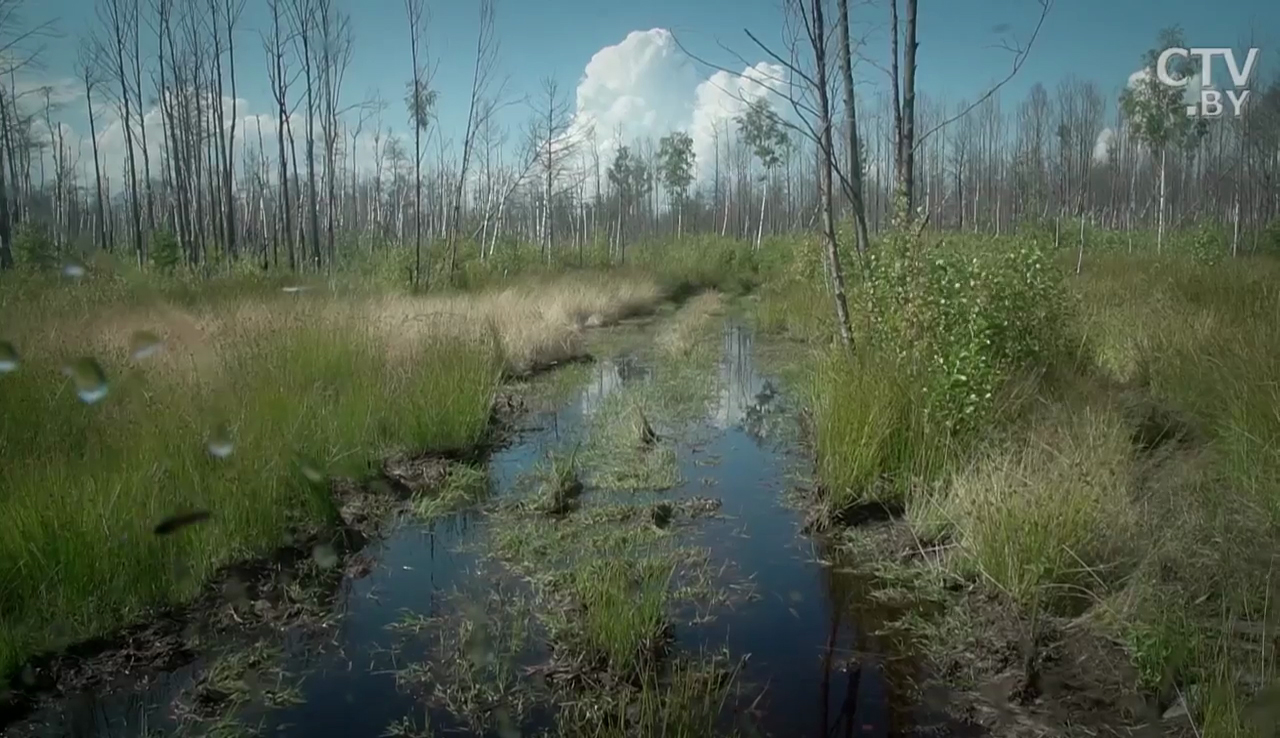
x=307, y=645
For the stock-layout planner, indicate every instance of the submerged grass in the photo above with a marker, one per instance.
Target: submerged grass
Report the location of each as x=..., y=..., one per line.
x=239, y=406
x=632, y=431
x=463, y=486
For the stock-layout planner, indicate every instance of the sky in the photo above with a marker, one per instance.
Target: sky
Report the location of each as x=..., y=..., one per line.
x=621, y=64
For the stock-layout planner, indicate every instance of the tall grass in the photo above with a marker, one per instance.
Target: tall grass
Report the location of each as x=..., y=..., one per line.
x=1020, y=423
x=85, y=484
x=1203, y=341
x=297, y=383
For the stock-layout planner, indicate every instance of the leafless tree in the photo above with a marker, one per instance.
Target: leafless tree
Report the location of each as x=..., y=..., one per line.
x=274, y=46
x=547, y=137
x=304, y=31
x=88, y=69
x=116, y=16
x=486, y=60
x=421, y=103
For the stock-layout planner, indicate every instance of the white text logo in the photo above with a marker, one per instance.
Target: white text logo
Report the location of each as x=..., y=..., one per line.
x=1211, y=99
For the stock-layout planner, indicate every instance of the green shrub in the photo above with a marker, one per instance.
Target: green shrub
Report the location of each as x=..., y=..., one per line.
x=165, y=252
x=1271, y=238
x=964, y=319
x=1207, y=244
x=941, y=332
x=34, y=248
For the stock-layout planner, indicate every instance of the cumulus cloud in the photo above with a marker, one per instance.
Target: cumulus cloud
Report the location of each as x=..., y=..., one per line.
x=1190, y=93
x=723, y=97
x=1102, y=146
x=645, y=86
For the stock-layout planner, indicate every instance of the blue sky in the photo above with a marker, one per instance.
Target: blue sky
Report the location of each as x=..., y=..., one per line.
x=1102, y=40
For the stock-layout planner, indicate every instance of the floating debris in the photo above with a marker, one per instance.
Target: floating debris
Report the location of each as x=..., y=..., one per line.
x=311, y=471
x=144, y=344
x=8, y=357
x=89, y=378
x=174, y=523
x=324, y=556
x=220, y=444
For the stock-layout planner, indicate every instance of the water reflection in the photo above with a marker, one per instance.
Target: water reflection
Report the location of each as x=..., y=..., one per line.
x=811, y=633
x=739, y=382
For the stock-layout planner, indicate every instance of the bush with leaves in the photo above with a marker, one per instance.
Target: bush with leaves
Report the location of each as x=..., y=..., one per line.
x=34, y=248
x=165, y=252
x=1271, y=238
x=1207, y=244
x=964, y=320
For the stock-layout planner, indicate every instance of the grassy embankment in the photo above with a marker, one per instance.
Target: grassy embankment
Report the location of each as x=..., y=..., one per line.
x=233, y=397
x=1104, y=445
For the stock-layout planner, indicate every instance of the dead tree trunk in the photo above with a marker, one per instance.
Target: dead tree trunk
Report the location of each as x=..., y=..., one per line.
x=818, y=40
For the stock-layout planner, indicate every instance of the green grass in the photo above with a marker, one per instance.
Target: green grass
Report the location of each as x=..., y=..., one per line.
x=463, y=486
x=622, y=598
x=1046, y=489
x=871, y=440
x=85, y=484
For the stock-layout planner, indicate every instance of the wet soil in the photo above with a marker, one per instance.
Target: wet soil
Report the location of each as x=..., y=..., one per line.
x=313, y=645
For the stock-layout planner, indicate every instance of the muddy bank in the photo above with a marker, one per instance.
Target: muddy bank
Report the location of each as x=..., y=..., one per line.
x=296, y=587
x=986, y=669
x=633, y=567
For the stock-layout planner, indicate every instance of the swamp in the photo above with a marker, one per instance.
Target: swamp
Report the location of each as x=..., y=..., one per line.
x=684, y=403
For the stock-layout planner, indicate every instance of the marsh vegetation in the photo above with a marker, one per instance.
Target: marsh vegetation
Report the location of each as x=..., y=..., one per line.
x=930, y=423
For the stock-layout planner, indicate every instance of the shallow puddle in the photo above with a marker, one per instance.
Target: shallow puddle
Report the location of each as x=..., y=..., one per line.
x=815, y=665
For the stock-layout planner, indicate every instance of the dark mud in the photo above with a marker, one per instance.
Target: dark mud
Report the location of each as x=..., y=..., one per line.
x=986, y=669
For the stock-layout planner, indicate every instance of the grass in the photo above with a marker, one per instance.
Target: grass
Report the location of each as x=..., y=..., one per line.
x=463, y=486
x=1124, y=460
x=277, y=384
x=590, y=615
x=1049, y=517
x=871, y=441
x=631, y=433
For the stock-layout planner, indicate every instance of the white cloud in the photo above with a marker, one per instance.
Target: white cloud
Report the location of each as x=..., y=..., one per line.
x=645, y=86
x=723, y=97
x=1190, y=93
x=1102, y=146
x=642, y=86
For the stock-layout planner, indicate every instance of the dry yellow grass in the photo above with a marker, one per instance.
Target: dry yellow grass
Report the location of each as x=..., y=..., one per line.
x=536, y=323
x=681, y=334
x=1050, y=514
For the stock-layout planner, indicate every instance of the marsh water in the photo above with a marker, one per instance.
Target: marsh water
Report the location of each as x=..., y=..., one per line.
x=816, y=665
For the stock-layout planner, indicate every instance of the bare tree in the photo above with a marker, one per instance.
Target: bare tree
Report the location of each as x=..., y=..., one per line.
x=421, y=101
x=547, y=137
x=486, y=60
x=115, y=16
x=333, y=56
x=134, y=32
x=303, y=18
x=223, y=15
x=817, y=32
x=88, y=67
x=277, y=73
x=851, y=129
